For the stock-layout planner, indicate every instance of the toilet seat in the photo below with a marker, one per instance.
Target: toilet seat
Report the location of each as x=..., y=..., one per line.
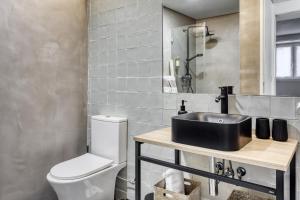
x=80, y=167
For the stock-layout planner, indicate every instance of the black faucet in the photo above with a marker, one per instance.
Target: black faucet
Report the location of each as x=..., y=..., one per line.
x=225, y=91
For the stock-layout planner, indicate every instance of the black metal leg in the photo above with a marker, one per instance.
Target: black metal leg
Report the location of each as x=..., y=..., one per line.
x=137, y=171
x=279, y=185
x=177, y=157
x=293, y=179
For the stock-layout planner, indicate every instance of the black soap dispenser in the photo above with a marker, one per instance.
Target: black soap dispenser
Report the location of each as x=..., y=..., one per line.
x=182, y=108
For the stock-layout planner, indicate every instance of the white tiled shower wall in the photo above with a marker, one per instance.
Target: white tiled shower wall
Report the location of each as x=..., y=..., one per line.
x=125, y=69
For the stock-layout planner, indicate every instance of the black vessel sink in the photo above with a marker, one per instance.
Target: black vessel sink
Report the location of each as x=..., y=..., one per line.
x=215, y=131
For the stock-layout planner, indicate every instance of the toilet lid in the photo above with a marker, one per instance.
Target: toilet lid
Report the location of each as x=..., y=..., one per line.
x=80, y=167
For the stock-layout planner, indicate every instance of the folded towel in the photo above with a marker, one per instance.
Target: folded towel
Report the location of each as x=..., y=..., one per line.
x=174, y=180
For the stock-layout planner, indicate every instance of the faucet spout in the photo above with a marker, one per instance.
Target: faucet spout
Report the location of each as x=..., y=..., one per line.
x=223, y=97
x=219, y=98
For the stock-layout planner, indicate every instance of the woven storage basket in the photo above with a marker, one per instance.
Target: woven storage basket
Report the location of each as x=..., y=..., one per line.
x=241, y=195
x=192, y=191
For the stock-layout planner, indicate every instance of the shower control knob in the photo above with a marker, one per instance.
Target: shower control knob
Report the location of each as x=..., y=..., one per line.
x=241, y=171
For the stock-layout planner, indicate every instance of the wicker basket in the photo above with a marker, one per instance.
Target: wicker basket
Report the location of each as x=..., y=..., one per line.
x=192, y=191
x=241, y=195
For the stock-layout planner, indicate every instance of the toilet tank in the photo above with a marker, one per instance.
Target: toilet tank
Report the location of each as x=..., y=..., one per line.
x=109, y=137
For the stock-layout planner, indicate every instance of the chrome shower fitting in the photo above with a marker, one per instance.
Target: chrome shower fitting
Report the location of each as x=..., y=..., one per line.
x=229, y=172
x=187, y=78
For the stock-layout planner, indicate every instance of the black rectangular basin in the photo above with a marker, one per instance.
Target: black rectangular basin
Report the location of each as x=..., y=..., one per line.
x=214, y=131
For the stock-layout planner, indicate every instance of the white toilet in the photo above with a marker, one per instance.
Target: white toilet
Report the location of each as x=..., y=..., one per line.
x=92, y=176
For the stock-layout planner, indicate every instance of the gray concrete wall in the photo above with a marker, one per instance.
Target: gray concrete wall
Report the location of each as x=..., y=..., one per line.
x=221, y=62
x=43, y=81
x=125, y=78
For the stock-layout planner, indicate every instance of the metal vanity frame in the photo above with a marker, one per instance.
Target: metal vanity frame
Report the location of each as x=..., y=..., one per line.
x=278, y=191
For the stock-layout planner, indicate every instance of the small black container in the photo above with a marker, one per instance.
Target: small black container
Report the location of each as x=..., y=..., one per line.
x=263, y=128
x=280, y=130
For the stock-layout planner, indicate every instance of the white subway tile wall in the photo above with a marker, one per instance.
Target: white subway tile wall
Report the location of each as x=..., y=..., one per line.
x=125, y=78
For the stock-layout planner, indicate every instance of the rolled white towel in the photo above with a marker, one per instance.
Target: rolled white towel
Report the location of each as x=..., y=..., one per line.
x=174, y=180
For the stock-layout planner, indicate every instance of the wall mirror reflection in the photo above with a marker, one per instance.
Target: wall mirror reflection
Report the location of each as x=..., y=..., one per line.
x=201, y=45
x=245, y=44
x=288, y=55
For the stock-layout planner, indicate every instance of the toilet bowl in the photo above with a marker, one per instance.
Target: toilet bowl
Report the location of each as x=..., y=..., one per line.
x=92, y=176
x=81, y=181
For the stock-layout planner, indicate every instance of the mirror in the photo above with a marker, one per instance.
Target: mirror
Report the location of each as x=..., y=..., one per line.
x=213, y=43
x=201, y=45
x=288, y=54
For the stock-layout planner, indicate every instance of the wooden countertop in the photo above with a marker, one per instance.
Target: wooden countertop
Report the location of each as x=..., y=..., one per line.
x=263, y=153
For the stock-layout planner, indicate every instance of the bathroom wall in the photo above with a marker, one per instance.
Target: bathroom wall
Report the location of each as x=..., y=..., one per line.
x=125, y=72
x=222, y=56
x=43, y=81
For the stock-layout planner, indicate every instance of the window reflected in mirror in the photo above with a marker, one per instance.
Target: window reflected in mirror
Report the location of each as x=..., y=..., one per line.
x=284, y=62
x=288, y=56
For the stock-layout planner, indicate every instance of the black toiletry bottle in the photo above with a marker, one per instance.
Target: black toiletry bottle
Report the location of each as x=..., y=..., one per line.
x=182, y=108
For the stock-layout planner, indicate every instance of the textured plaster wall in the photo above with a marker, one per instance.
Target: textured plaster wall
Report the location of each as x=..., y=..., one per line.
x=43, y=81
x=125, y=72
